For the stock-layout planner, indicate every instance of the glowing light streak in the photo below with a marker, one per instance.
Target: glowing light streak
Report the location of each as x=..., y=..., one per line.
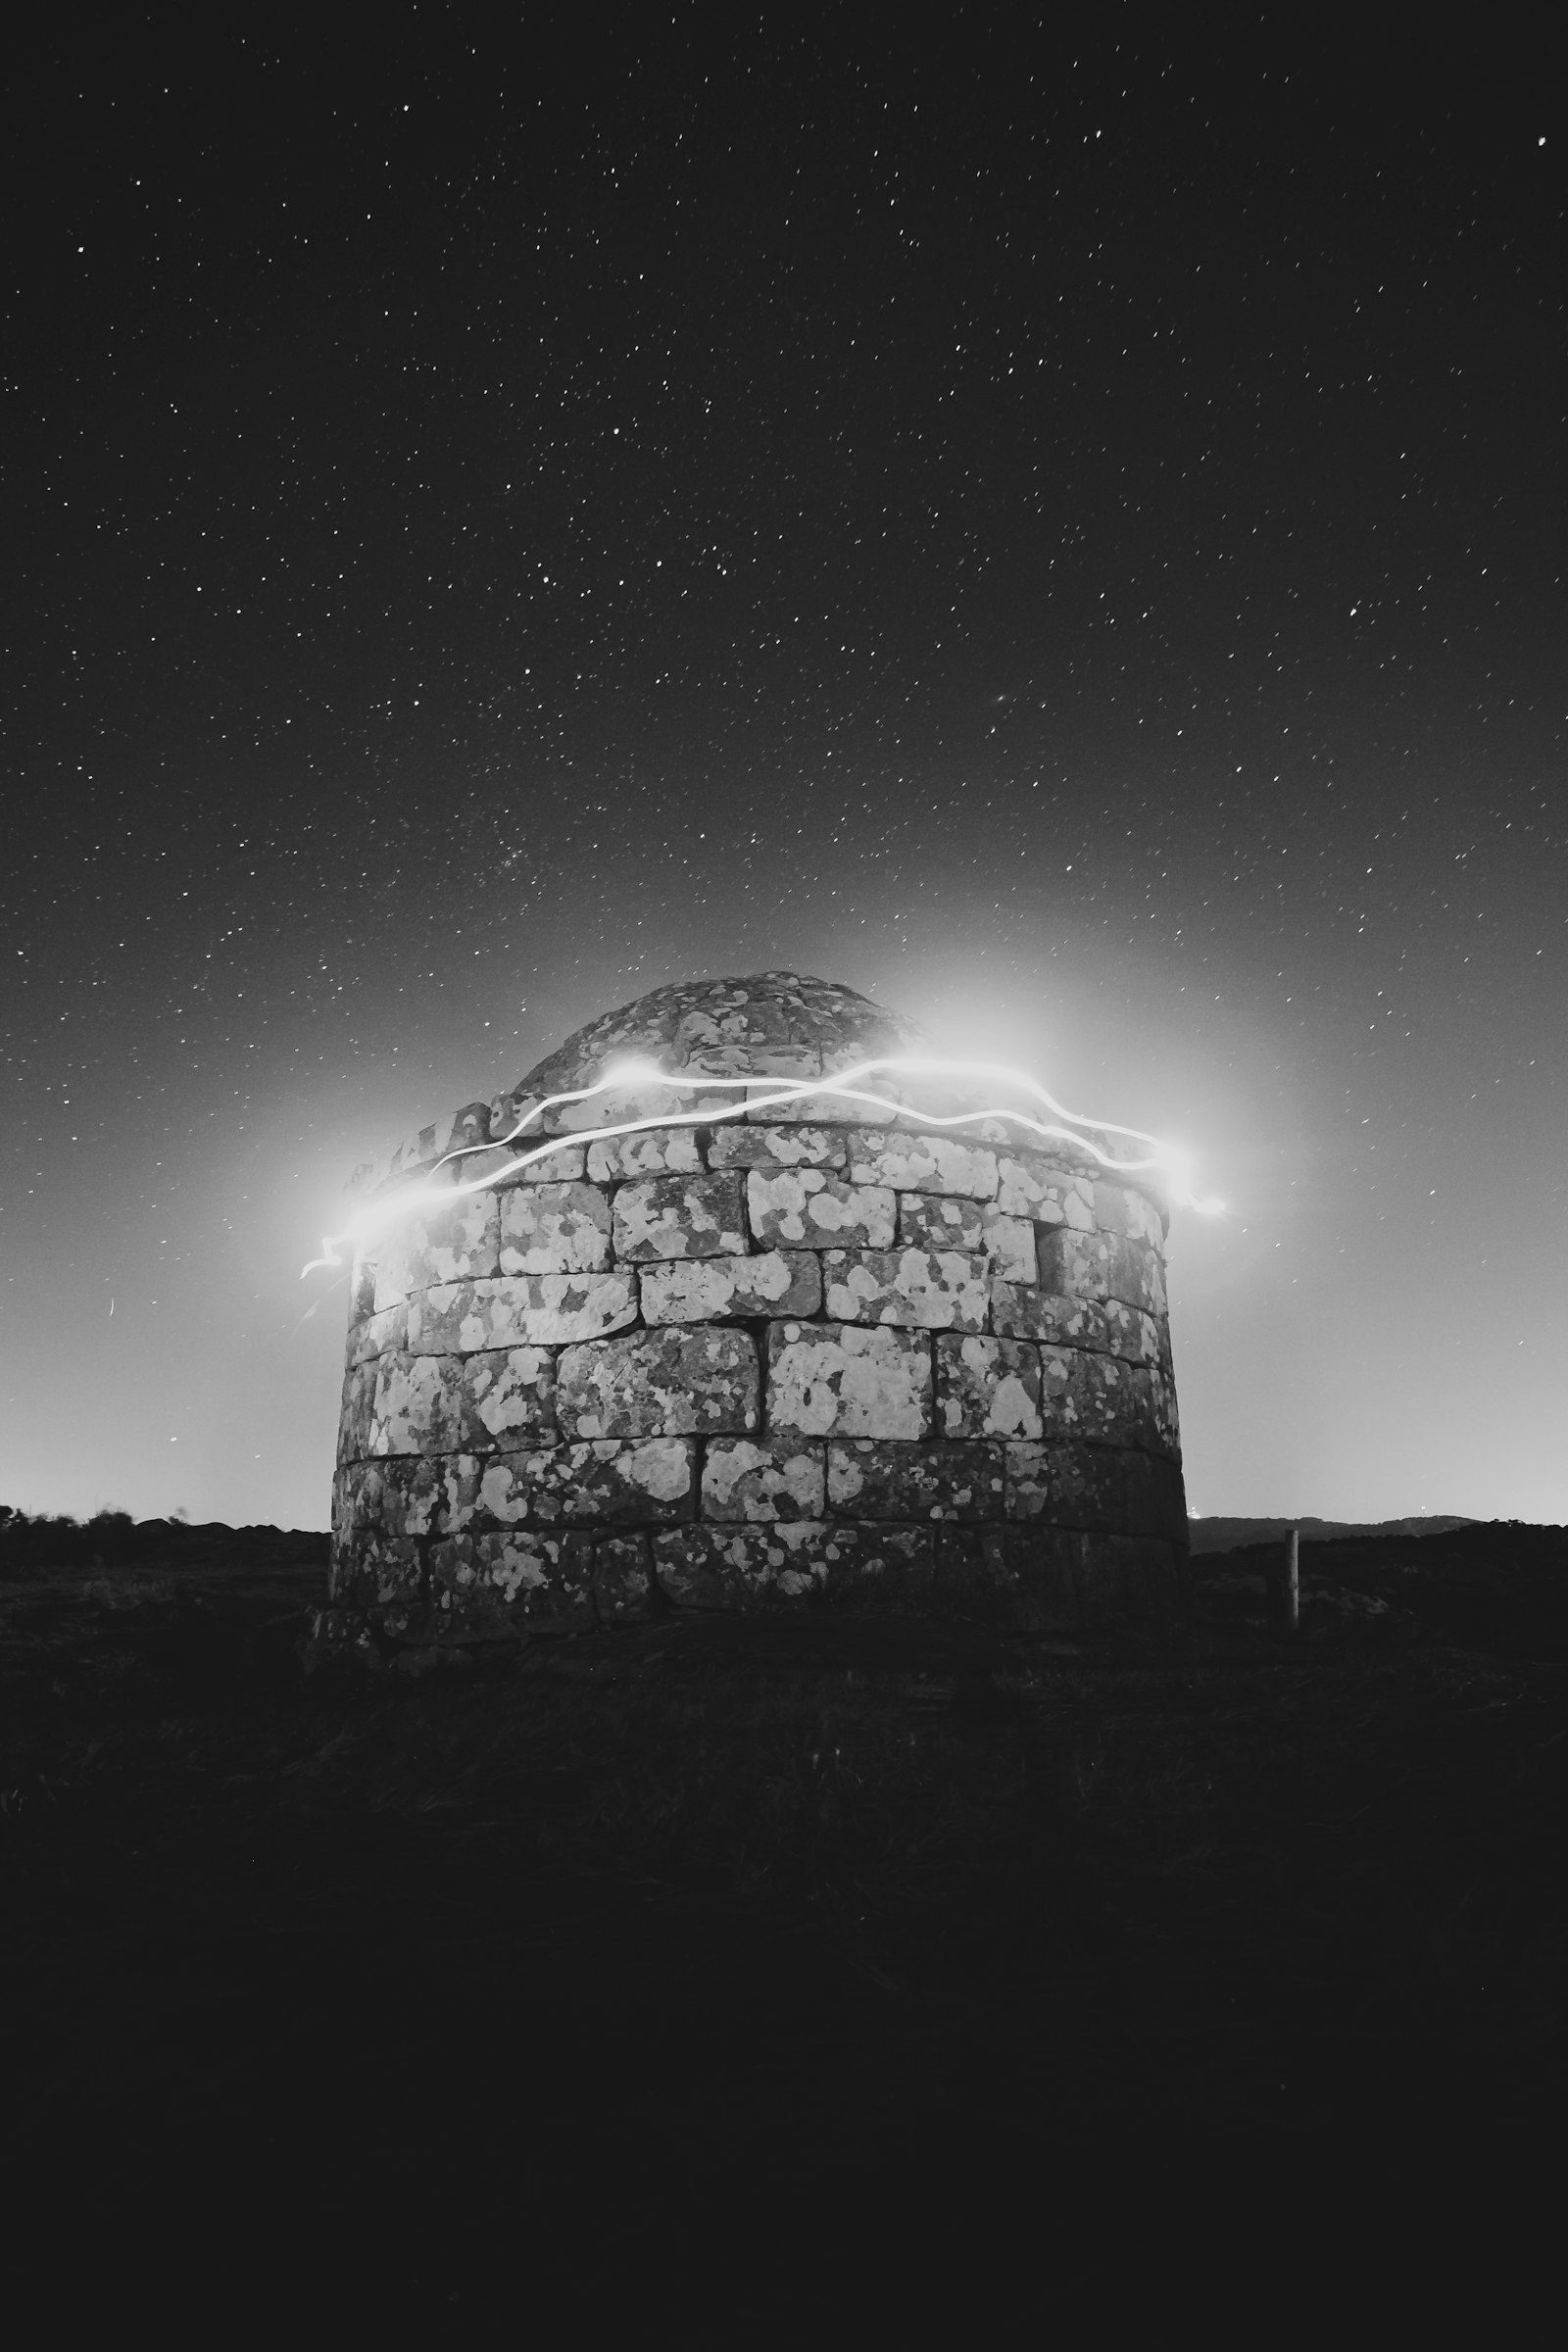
x=1167, y=1160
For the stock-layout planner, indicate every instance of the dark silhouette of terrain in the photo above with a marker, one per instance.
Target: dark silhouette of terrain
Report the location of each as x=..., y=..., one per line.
x=707, y=1943
x=1225, y=1534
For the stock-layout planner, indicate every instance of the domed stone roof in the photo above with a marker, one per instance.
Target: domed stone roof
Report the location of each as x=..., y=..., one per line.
x=778, y=1024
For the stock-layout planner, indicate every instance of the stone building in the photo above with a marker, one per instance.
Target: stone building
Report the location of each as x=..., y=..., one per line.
x=798, y=1354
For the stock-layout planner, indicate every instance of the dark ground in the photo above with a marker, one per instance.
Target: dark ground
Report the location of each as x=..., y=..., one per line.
x=771, y=1948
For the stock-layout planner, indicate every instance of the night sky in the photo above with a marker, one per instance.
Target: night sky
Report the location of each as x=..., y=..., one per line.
x=1069, y=543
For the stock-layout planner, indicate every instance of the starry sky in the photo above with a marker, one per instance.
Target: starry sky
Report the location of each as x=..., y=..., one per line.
x=503, y=512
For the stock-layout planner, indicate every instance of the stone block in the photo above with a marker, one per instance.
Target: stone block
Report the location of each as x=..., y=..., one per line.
x=881, y=1479
x=774, y=1479
x=802, y=1147
x=647, y=1151
x=809, y=1208
x=1010, y=1243
x=1025, y=1576
x=523, y=1163
x=1022, y=1313
x=356, y=1412
x=394, y=1496
x=457, y=1241
x=392, y=1629
x=379, y=1335
x=421, y=1405
x=763, y=1106
x=1030, y=1184
x=362, y=1287
x=824, y=1381
x=628, y=1106
x=706, y=1290
x=1101, y=1266
x=739, y=1567
x=1067, y=1485
x=680, y=1216
x=1103, y=1327
x=1157, y=1497
x=554, y=1229
x=987, y=1388
x=521, y=1310
x=1167, y=1423
x=1111, y=1399
x=940, y=1221
x=1119, y=1208
x=512, y=1391
x=924, y=1163
x=649, y=1480
x=668, y=1381
x=881, y=1568
x=376, y=1570
x=1124, y=1577
x=924, y=1290
x=623, y=1579
x=488, y=1587
x=1136, y=1336
x=1059, y=1392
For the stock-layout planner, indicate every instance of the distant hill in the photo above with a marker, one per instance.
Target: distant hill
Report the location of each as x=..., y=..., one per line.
x=1228, y=1535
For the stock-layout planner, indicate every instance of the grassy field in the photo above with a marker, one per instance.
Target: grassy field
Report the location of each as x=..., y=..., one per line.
x=796, y=1917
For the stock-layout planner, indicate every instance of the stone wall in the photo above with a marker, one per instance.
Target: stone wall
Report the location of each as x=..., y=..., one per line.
x=770, y=1361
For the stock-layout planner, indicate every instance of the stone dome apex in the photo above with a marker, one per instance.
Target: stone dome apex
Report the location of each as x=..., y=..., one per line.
x=777, y=1024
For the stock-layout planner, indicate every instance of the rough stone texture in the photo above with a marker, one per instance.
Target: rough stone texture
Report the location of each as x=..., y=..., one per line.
x=622, y=1580
x=842, y=1382
x=454, y=1243
x=935, y=1290
x=810, y=1109
x=744, y=1479
x=374, y=1569
x=421, y=1405
x=808, y=1353
x=937, y=1221
x=868, y=1479
x=1027, y=1577
x=1168, y=1426
x=706, y=1290
x=462, y=1317
x=652, y=1480
x=379, y=1335
x=412, y=1495
x=554, y=1229
x=1067, y=1485
x=502, y=1166
x=1118, y=1210
x=738, y=1567
x=1029, y=1184
x=356, y=1413
x=772, y=1022
x=987, y=1388
x=680, y=1217
x=655, y=1151
x=924, y=1163
x=777, y=1147
x=660, y=1384
x=1106, y=1328
x=513, y=1393
x=807, y=1207
x=485, y=1587
x=1102, y=1265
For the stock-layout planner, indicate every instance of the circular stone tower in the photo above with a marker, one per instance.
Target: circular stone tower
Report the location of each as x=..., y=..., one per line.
x=801, y=1353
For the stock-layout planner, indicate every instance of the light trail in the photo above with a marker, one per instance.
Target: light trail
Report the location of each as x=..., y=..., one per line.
x=1167, y=1160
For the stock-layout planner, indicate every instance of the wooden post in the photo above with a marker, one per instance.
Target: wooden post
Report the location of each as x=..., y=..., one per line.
x=1291, y=1580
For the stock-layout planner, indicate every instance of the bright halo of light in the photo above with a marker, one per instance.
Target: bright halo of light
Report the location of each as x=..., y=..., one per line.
x=1169, y=1161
